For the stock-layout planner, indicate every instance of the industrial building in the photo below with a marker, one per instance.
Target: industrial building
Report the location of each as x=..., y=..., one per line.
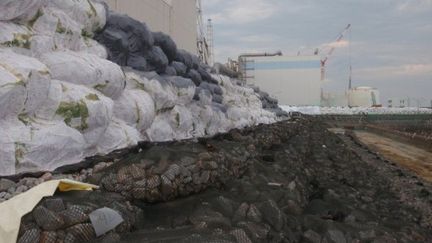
x=364, y=97
x=409, y=102
x=293, y=80
x=177, y=18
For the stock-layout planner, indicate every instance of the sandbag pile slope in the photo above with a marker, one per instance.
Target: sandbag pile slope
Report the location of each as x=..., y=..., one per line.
x=62, y=100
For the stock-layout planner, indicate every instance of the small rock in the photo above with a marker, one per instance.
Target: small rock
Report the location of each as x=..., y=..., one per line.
x=365, y=235
x=240, y=236
x=273, y=215
x=204, y=156
x=30, y=182
x=241, y=212
x=2, y=194
x=21, y=189
x=46, y=177
x=224, y=205
x=6, y=184
x=336, y=236
x=7, y=196
x=311, y=236
x=254, y=214
x=99, y=167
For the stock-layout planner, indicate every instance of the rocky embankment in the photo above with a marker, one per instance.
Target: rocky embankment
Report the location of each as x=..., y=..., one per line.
x=292, y=181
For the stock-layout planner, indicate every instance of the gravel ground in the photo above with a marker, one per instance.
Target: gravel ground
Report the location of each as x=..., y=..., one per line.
x=293, y=181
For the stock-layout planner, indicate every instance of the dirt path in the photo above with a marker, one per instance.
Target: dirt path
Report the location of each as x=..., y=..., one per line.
x=406, y=155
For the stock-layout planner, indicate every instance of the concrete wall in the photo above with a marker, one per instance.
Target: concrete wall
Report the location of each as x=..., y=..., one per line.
x=178, y=18
x=293, y=80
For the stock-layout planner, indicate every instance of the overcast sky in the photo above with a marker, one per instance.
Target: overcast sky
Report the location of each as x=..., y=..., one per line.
x=391, y=40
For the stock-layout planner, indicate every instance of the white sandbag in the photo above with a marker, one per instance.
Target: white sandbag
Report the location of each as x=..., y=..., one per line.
x=117, y=136
x=19, y=10
x=41, y=44
x=38, y=87
x=181, y=121
x=53, y=144
x=160, y=129
x=21, y=65
x=86, y=110
x=90, y=15
x=12, y=93
x=47, y=110
x=14, y=35
x=183, y=88
x=86, y=69
x=201, y=115
x=24, y=83
x=14, y=134
x=136, y=108
x=93, y=47
x=53, y=21
x=219, y=123
x=164, y=96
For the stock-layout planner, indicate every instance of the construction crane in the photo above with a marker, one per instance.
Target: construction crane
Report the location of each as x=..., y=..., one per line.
x=203, y=47
x=332, y=49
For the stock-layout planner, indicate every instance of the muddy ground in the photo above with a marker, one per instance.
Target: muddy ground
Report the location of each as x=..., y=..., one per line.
x=417, y=159
x=293, y=181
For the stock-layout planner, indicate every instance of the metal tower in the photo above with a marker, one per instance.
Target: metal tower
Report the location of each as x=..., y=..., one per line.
x=202, y=43
x=210, y=41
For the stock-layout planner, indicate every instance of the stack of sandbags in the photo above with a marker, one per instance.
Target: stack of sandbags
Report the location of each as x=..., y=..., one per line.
x=57, y=91
x=62, y=100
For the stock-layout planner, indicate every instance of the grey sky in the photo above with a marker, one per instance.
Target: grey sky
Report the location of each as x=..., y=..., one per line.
x=391, y=39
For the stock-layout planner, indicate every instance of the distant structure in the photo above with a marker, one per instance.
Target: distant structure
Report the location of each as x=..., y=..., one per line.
x=178, y=18
x=409, y=102
x=364, y=97
x=210, y=42
x=293, y=80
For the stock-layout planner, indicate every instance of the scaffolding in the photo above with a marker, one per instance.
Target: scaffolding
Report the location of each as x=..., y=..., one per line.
x=202, y=40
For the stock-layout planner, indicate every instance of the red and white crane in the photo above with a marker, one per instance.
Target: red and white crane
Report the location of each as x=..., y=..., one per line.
x=332, y=49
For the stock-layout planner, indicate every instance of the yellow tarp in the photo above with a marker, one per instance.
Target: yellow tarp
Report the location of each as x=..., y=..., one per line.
x=12, y=210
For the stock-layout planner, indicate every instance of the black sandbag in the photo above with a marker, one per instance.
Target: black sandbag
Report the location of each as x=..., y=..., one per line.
x=180, y=68
x=116, y=45
x=206, y=86
x=199, y=92
x=157, y=60
x=195, y=61
x=263, y=94
x=171, y=71
x=137, y=62
x=217, y=98
x=154, y=76
x=272, y=100
x=255, y=88
x=204, y=74
x=165, y=42
x=185, y=58
x=125, y=37
x=195, y=76
x=216, y=89
x=222, y=69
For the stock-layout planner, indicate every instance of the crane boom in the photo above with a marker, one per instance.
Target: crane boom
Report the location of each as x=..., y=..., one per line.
x=332, y=49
